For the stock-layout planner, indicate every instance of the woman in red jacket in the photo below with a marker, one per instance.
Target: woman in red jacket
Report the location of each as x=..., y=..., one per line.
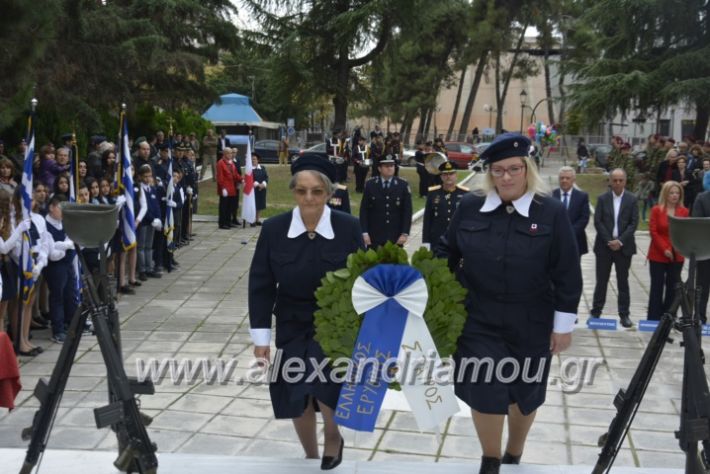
x=227, y=179
x=665, y=263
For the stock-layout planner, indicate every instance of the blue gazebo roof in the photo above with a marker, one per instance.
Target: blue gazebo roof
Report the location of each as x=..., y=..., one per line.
x=233, y=109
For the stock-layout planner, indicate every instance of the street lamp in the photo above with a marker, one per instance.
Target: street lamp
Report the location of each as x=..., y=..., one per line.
x=489, y=108
x=523, y=104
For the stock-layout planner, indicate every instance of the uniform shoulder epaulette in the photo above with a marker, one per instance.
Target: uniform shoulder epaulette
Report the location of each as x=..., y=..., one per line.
x=435, y=187
x=341, y=186
x=462, y=188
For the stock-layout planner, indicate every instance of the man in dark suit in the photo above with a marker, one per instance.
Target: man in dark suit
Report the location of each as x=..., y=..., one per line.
x=577, y=204
x=615, y=219
x=701, y=208
x=386, y=207
x=223, y=142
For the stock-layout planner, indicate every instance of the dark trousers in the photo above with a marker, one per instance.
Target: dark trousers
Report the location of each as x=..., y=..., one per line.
x=341, y=172
x=177, y=218
x=62, y=295
x=664, y=277
x=622, y=263
x=234, y=207
x=225, y=211
x=703, y=286
x=360, y=177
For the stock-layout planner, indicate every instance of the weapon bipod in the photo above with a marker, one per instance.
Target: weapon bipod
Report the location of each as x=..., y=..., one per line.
x=136, y=451
x=695, y=402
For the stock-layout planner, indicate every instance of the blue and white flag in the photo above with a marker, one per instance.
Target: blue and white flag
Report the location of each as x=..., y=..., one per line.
x=27, y=281
x=393, y=299
x=169, y=224
x=128, y=220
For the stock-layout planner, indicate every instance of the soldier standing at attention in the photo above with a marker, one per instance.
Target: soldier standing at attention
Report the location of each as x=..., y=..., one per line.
x=386, y=207
x=442, y=200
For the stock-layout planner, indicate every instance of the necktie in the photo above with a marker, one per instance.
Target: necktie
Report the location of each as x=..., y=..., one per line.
x=387, y=185
x=565, y=201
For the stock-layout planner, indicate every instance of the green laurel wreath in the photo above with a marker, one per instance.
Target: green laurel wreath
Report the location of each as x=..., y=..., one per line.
x=337, y=324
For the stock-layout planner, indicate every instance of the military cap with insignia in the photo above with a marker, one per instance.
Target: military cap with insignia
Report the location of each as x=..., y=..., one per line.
x=314, y=162
x=163, y=146
x=67, y=137
x=506, y=145
x=446, y=167
x=388, y=159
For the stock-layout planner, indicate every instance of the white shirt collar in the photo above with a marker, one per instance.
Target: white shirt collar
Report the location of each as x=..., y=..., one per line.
x=522, y=204
x=55, y=223
x=613, y=194
x=324, y=227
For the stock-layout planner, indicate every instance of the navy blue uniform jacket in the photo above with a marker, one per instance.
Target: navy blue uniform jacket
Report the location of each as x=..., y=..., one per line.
x=518, y=270
x=385, y=215
x=284, y=275
x=578, y=212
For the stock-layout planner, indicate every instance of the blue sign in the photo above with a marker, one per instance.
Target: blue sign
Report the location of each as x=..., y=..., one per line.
x=291, y=131
x=647, y=326
x=601, y=324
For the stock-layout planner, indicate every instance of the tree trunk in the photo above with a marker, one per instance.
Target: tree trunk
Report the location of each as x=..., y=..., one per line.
x=500, y=96
x=420, y=128
x=546, y=45
x=563, y=98
x=456, y=107
x=702, y=116
x=427, y=122
x=472, y=93
x=340, y=100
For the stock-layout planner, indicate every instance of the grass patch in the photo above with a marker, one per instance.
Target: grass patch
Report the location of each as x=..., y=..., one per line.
x=598, y=184
x=279, y=198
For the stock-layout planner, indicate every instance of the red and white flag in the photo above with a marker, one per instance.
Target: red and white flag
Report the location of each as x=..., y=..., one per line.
x=249, y=203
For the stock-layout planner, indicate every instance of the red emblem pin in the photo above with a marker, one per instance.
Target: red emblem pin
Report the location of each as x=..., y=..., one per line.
x=533, y=228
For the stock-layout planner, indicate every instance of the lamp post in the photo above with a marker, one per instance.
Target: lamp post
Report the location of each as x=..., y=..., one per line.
x=489, y=108
x=523, y=104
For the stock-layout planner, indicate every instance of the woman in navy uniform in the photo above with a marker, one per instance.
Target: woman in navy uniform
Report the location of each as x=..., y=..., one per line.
x=293, y=254
x=517, y=255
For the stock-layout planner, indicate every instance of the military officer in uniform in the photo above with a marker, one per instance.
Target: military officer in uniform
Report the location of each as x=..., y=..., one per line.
x=386, y=207
x=340, y=200
x=441, y=202
x=514, y=248
x=360, y=154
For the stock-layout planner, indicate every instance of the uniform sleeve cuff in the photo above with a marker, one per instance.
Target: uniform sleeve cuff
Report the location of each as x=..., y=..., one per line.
x=260, y=337
x=564, y=322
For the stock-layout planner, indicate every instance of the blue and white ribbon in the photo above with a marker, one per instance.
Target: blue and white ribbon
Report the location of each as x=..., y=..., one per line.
x=393, y=299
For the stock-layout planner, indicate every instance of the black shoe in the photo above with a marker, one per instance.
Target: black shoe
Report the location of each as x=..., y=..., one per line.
x=595, y=314
x=510, y=459
x=225, y=227
x=154, y=275
x=135, y=283
x=252, y=225
x=127, y=290
x=626, y=321
x=329, y=462
x=258, y=222
x=142, y=277
x=37, y=324
x=489, y=465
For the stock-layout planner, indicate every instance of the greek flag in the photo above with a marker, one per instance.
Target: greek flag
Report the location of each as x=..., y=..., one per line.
x=169, y=224
x=27, y=281
x=128, y=223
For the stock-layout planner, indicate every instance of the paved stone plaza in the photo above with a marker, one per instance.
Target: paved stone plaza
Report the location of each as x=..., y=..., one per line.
x=201, y=311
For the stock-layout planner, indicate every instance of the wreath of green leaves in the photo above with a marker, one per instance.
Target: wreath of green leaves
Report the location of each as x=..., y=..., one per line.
x=337, y=324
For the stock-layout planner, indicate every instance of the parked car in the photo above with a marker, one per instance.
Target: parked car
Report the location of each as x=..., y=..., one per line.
x=600, y=152
x=268, y=150
x=461, y=154
x=481, y=147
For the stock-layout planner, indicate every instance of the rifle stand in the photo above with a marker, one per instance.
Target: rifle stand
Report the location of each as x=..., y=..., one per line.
x=136, y=451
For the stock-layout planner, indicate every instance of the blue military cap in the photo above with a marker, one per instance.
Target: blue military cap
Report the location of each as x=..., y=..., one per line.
x=388, y=159
x=66, y=137
x=447, y=167
x=163, y=146
x=96, y=139
x=506, y=145
x=315, y=162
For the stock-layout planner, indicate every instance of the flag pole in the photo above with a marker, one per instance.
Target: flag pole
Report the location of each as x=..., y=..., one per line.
x=21, y=276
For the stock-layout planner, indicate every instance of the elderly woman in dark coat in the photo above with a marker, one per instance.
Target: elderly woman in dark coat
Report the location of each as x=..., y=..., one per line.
x=514, y=247
x=293, y=254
